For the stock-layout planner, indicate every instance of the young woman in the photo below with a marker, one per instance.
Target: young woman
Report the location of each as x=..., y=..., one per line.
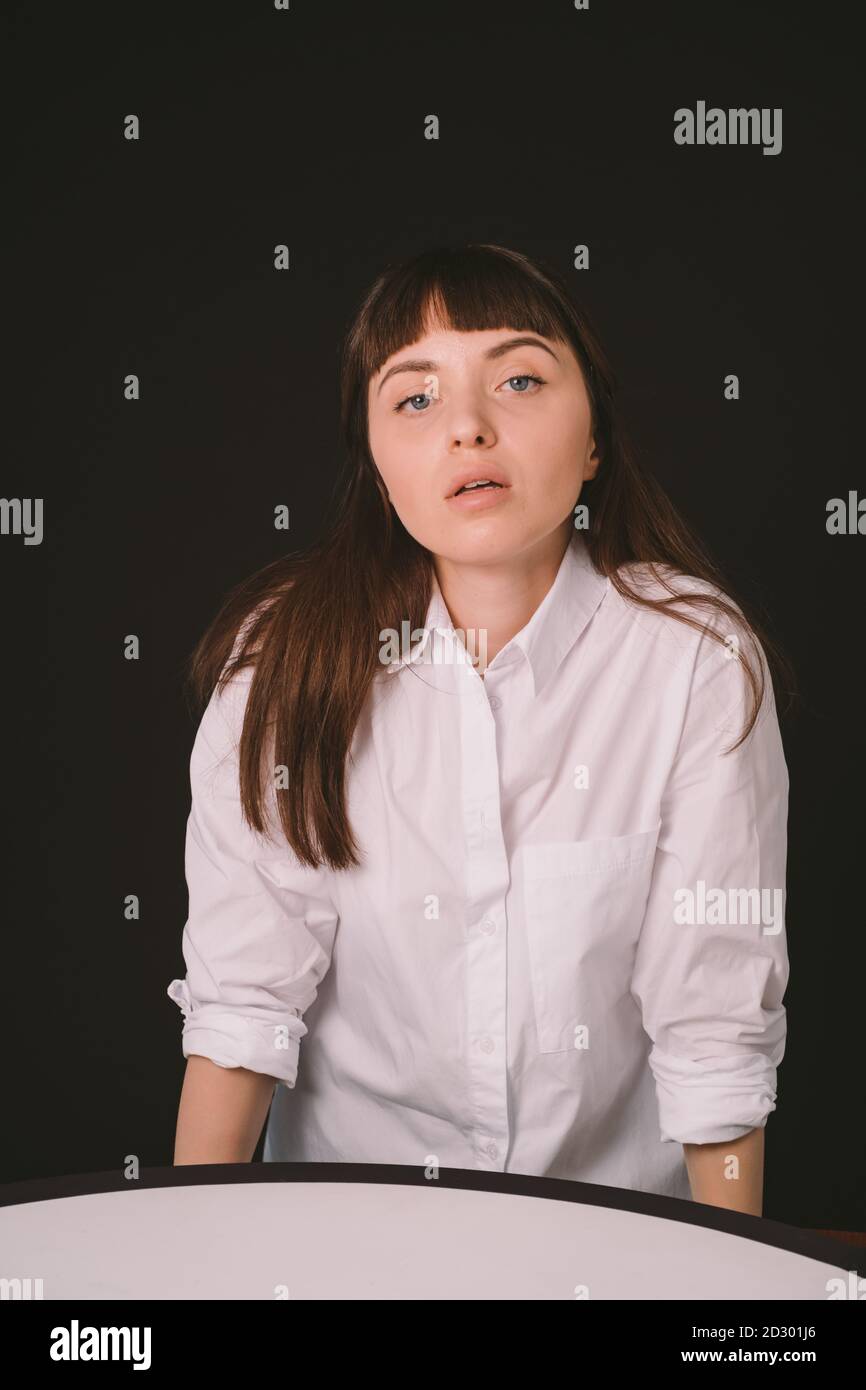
x=488, y=797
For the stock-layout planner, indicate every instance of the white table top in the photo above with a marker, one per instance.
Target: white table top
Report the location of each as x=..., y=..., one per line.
x=185, y=1233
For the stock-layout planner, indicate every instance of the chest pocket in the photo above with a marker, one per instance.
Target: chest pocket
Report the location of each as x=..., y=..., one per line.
x=584, y=902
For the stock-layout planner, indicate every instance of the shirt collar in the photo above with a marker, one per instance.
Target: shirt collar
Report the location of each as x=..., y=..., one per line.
x=551, y=632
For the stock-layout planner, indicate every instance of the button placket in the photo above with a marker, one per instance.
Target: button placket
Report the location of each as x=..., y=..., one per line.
x=487, y=882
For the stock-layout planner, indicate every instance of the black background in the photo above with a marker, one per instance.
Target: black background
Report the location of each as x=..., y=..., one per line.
x=155, y=257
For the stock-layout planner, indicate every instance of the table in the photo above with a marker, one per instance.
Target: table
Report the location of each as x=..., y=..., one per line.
x=355, y=1231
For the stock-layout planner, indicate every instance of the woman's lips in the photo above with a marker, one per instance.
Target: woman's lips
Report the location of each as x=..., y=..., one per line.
x=479, y=499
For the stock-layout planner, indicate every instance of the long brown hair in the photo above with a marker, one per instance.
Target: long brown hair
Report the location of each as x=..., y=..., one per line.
x=310, y=622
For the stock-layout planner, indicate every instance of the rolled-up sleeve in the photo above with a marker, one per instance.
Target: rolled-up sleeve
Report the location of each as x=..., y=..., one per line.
x=711, y=964
x=260, y=929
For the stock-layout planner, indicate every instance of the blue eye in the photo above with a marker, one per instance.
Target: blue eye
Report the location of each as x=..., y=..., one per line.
x=526, y=376
x=418, y=396
x=422, y=395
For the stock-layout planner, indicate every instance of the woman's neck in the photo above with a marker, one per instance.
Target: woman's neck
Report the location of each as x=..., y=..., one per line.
x=499, y=598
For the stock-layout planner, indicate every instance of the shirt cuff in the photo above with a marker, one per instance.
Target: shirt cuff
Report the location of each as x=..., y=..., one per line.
x=713, y=1100
x=231, y=1038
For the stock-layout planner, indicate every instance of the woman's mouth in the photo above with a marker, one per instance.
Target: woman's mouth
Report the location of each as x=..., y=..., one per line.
x=479, y=496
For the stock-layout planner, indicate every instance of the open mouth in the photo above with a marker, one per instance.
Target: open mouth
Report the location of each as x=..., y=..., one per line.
x=475, y=487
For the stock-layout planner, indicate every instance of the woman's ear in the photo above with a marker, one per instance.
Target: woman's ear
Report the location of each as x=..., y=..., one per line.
x=590, y=467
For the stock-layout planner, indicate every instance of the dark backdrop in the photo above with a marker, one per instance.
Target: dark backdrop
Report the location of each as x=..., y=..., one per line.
x=155, y=257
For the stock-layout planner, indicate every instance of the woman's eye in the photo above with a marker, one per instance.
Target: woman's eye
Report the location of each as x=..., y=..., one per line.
x=525, y=376
x=424, y=399
x=418, y=396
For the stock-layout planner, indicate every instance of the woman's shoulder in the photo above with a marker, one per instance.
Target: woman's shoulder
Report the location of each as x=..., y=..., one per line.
x=654, y=580
x=231, y=692
x=693, y=614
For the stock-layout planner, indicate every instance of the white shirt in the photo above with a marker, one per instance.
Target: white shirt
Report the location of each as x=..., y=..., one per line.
x=536, y=969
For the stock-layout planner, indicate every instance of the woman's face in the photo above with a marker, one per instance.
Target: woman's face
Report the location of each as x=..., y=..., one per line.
x=500, y=404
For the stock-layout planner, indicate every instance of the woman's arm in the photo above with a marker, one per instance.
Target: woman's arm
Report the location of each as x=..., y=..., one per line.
x=256, y=944
x=221, y=1112
x=719, y=1181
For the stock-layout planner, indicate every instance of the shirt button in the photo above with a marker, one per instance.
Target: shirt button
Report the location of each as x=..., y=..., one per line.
x=495, y=702
x=487, y=1044
x=488, y=926
x=492, y=1150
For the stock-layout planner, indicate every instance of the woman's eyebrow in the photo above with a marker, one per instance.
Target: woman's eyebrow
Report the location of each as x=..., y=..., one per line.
x=426, y=364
